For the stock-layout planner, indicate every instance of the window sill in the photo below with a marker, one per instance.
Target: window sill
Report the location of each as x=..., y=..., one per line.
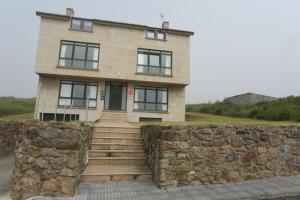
x=77, y=108
x=73, y=68
x=162, y=40
x=149, y=111
x=71, y=29
x=149, y=74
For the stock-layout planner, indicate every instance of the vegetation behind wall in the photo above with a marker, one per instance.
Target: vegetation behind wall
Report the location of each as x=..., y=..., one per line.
x=13, y=105
x=282, y=109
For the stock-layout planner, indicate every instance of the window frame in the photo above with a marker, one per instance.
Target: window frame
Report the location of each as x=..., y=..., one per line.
x=85, y=60
x=72, y=83
x=145, y=88
x=156, y=31
x=82, y=21
x=160, y=53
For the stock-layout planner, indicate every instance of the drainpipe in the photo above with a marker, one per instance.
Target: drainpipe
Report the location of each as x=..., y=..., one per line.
x=64, y=112
x=87, y=109
x=55, y=113
x=37, y=102
x=71, y=112
x=44, y=103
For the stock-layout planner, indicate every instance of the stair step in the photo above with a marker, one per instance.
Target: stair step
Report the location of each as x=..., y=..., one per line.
x=115, y=172
x=114, y=117
x=119, y=140
x=122, y=136
x=116, y=153
x=112, y=134
x=113, y=120
x=114, y=130
x=115, y=146
x=117, y=129
x=117, y=160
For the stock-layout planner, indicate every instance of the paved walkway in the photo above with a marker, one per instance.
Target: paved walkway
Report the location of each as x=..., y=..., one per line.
x=6, y=168
x=278, y=188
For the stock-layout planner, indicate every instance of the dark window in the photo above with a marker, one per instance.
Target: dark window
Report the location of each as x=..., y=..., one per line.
x=59, y=117
x=150, y=34
x=149, y=119
x=156, y=34
x=154, y=62
x=82, y=25
x=79, y=55
x=77, y=94
x=150, y=98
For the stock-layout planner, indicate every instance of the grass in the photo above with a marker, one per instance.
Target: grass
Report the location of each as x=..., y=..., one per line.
x=204, y=119
x=14, y=106
x=23, y=116
x=191, y=119
x=211, y=119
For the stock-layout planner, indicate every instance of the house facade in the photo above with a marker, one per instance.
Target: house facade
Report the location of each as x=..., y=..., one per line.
x=88, y=66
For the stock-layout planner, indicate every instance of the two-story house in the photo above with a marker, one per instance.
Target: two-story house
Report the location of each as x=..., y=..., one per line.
x=87, y=67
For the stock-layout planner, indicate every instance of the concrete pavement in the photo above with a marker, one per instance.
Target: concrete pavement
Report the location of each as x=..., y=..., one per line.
x=6, y=168
x=280, y=188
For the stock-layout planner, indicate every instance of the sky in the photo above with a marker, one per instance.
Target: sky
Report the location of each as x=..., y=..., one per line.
x=239, y=46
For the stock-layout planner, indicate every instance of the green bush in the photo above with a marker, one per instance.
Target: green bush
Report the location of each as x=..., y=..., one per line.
x=282, y=109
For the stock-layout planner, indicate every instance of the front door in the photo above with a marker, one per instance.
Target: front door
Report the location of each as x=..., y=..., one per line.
x=115, y=96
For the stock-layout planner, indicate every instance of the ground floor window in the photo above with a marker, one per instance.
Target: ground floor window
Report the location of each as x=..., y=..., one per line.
x=58, y=117
x=150, y=98
x=78, y=94
x=149, y=119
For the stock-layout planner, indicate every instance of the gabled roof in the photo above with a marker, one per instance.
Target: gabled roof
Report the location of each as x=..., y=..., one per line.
x=113, y=23
x=250, y=93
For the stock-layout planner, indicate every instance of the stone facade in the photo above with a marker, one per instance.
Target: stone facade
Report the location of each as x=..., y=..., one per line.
x=119, y=46
x=118, y=52
x=176, y=107
x=217, y=154
x=8, y=132
x=49, y=159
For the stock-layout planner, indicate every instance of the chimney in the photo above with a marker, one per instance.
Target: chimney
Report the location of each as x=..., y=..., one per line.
x=70, y=12
x=165, y=25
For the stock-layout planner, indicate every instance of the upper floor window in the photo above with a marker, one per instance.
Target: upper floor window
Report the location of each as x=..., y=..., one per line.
x=156, y=34
x=154, y=62
x=79, y=55
x=150, y=98
x=81, y=25
x=77, y=94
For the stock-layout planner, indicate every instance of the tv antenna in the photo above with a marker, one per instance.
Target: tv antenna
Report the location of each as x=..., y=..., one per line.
x=162, y=17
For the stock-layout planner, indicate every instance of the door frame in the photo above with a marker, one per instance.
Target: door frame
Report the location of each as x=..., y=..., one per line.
x=124, y=84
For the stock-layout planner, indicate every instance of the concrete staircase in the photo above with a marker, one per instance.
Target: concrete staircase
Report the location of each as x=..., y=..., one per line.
x=114, y=116
x=117, y=151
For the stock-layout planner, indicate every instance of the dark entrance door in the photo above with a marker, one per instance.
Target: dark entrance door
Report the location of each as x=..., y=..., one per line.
x=115, y=96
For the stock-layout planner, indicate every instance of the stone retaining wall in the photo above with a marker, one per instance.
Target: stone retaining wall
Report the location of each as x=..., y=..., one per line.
x=8, y=132
x=189, y=155
x=49, y=159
